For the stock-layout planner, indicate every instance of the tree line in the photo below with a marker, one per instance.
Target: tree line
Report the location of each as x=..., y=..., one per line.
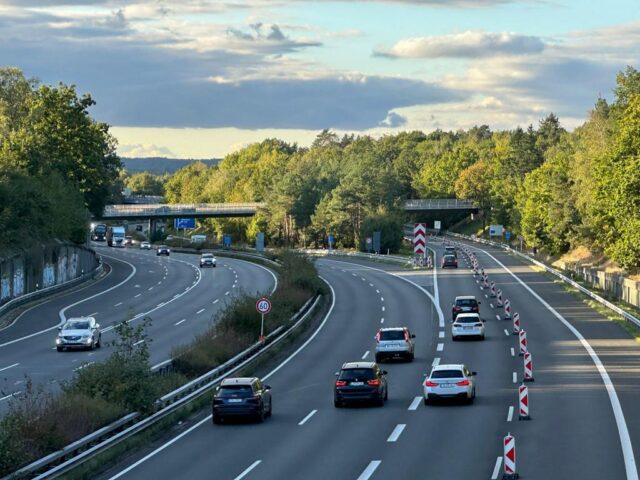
x=57, y=164
x=557, y=189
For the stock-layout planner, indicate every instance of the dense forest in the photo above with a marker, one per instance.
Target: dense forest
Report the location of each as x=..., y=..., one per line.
x=555, y=188
x=56, y=163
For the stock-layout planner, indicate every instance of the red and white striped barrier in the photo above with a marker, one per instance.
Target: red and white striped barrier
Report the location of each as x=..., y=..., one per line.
x=419, y=238
x=499, y=303
x=429, y=262
x=523, y=342
x=509, y=464
x=507, y=309
x=523, y=395
x=485, y=283
x=528, y=367
x=493, y=290
x=516, y=323
x=482, y=272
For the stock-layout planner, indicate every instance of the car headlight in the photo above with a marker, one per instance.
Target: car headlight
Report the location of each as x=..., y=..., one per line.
x=58, y=340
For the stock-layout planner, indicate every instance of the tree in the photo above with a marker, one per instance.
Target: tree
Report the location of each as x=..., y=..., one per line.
x=145, y=183
x=474, y=183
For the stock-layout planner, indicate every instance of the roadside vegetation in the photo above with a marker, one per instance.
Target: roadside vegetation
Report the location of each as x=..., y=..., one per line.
x=40, y=422
x=56, y=162
x=555, y=188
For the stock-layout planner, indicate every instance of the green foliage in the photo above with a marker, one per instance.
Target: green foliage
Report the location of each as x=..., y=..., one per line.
x=390, y=226
x=145, y=183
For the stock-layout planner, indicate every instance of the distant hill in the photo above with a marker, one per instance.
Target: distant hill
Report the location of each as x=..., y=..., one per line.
x=160, y=165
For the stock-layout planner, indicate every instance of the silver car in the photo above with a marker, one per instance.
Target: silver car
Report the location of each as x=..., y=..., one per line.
x=394, y=342
x=145, y=245
x=450, y=382
x=82, y=332
x=207, y=260
x=467, y=325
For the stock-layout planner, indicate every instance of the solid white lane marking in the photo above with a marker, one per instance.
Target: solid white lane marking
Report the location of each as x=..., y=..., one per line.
x=623, y=431
x=496, y=469
x=513, y=352
x=506, y=332
x=200, y=311
x=515, y=377
x=84, y=365
x=176, y=295
x=160, y=304
x=382, y=320
x=415, y=403
x=383, y=308
x=369, y=470
x=305, y=419
x=10, y=366
x=247, y=470
x=440, y=334
x=396, y=432
x=436, y=362
x=366, y=354
x=510, y=414
x=92, y=314
x=440, y=347
x=181, y=321
x=136, y=296
x=118, y=304
x=215, y=301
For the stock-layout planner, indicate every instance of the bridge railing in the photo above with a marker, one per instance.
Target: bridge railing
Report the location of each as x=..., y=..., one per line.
x=185, y=209
x=438, y=204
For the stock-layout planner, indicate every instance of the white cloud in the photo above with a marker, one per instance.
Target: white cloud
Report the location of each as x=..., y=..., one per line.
x=144, y=150
x=464, y=45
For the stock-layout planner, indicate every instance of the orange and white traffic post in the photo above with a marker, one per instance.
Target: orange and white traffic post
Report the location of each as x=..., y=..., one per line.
x=499, y=303
x=485, y=283
x=523, y=342
x=493, y=290
x=528, y=367
x=516, y=323
x=509, y=471
x=507, y=309
x=523, y=395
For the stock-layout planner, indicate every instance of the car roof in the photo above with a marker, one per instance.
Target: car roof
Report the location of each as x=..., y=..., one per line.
x=465, y=297
x=238, y=381
x=448, y=366
x=468, y=314
x=386, y=329
x=358, y=365
x=79, y=319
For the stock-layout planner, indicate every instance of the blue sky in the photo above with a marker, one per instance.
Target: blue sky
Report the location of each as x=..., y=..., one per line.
x=201, y=78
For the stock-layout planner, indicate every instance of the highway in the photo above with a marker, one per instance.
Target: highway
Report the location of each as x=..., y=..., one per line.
x=576, y=430
x=179, y=297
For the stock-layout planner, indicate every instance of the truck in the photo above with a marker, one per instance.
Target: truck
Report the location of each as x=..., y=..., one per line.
x=115, y=236
x=99, y=232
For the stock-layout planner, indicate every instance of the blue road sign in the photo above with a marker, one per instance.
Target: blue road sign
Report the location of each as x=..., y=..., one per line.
x=184, y=223
x=332, y=241
x=226, y=240
x=507, y=235
x=260, y=242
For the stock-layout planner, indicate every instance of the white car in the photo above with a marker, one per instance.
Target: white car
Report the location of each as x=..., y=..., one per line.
x=81, y=332
x=454, y=381
x=145, y=246
x=467, y=325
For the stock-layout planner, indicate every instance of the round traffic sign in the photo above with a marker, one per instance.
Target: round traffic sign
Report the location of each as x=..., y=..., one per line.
x=263, y=305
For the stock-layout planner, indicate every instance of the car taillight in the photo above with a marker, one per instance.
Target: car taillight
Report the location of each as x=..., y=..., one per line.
x=463, y=383
x=340, y=383
x=456, y=308
x=406, y=336
x=374, y=383
x=429, y=383
x=478, y=325
x=378, y=337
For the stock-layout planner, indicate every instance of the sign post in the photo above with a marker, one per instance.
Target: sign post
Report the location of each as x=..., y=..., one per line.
x=263, y=306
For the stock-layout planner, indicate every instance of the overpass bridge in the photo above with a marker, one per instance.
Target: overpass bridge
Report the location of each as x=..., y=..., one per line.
x=221, y=210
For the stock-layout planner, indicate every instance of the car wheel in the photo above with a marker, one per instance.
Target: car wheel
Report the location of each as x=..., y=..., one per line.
x=99, y=344
x=270, y=408
x=59, y=349
x=411, y=357
x=481, y=337
x=337, y=403
x=93, y=345
x=454, y=338
x=216, y=419
x=379, y=358
x=261, y=415
x=426, y=401
x=386, y=394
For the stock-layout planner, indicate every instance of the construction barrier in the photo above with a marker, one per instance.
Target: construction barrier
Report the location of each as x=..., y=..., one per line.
x=493, y=290
x=499, y=303
x=509, y=464
x=507, y=309
x=528, y=367
x=486, y=281
x=516, y=323
x=523, y=342
x=524, y=403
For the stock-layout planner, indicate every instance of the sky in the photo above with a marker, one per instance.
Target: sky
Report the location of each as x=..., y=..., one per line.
x=203, y=78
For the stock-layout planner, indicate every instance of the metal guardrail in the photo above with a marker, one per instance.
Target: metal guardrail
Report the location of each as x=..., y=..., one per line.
x=629, y=317
x=73, y=455
x=180, y=209
x=439, y=204
x=22, y=299
x=369, y=256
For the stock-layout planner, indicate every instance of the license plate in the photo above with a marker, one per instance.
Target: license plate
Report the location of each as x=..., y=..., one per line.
x=446, y=385
x=357, y=384
x=235, y=400
x=468, y=328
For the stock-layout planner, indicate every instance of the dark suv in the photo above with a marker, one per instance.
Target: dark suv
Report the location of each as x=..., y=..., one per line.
x=465, y=304
x=449, y=261
x=241, y=397
x=360, y=382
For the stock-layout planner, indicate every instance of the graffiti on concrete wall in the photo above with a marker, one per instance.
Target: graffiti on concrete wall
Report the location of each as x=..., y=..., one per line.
x=73, y=265
x=5, y=286
x=62, y=268
x=48, y=275
x=18, y=277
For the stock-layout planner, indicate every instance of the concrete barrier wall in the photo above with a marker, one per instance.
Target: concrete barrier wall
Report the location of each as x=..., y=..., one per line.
x=43, y=266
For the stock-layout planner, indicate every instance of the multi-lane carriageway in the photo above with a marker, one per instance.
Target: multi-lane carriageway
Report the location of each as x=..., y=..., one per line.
x=173, y=292
x=583, y=401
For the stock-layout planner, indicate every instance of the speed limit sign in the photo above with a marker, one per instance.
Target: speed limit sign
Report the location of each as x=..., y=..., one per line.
x=263, y=306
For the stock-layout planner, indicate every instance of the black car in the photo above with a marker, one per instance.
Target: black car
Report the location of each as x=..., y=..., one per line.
x=449, y=261
x=360, y=382
x=464, y=304
x=163, y=250
x=449, y=250
x=241, y=397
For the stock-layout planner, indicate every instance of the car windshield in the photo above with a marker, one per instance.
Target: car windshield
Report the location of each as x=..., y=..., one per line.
x=466, y=302
x=207, y=256
x=392, y=335
x=235, y=390
x=447, y=374
x=356, y=374
x=76, y=325
x=472, y=319
x=449, y=258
